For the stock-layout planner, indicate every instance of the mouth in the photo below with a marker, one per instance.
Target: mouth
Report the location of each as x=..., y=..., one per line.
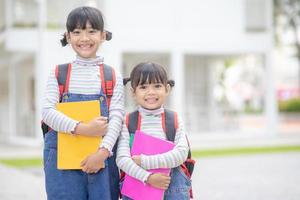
x=85, y=46
x=151, y=100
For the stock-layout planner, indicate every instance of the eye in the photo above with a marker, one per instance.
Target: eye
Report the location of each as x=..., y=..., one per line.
x=158, y=85
x=142, y=87
x=93, y=31
x=76, y=32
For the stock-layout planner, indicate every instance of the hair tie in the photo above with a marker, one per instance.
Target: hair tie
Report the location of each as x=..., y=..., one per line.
x=64, y=40
x=108, y=35
x=171, y=83
x=126, y=80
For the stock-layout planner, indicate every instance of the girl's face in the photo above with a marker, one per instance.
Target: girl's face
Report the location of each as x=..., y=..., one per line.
x=86, y=42
x=151, y=96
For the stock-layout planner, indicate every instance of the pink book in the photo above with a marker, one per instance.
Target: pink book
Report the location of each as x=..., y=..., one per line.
x=147, y=145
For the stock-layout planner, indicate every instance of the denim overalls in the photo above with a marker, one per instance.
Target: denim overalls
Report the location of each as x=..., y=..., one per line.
x=178, y=188
x=76, y=184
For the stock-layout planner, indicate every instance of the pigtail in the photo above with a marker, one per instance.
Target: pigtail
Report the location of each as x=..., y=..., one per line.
x=171, y=83
x=108, y=35
x=126, y=80
x=64, y=41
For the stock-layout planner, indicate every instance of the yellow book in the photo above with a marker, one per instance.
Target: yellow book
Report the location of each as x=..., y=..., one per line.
x=72, y=149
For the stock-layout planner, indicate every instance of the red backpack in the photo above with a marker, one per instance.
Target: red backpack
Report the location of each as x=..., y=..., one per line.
x=170, y=125
x=62, y=73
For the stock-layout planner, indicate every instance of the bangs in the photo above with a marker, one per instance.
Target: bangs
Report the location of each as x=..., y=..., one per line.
x=150, y=78
x=148, y=73
x=79, y=17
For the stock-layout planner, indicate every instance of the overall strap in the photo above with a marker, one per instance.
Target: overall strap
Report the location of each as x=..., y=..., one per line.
x=62, y=73
x=108, y=80
x=133, y=121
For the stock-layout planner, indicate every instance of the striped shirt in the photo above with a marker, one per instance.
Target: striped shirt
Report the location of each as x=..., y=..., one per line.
x=151, y=123
x=84, y=79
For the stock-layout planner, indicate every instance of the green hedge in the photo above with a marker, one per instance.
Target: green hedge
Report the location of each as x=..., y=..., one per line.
x=291, y=105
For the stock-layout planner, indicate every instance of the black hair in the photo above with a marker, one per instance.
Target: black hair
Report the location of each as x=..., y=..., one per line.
x=147, y=73
x=79, y=17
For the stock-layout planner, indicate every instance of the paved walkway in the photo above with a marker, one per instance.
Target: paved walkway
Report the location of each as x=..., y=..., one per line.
x=247, y=177
x=19, y=184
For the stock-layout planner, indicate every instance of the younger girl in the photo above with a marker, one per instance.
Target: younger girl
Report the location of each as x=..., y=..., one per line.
x=85, y=33
x=150, y=87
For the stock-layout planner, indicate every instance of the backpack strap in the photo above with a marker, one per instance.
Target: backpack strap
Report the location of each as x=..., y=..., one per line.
x=107, y=73
x=62, y=73
x=133, y=121
x=108, y=81
x=170, y=124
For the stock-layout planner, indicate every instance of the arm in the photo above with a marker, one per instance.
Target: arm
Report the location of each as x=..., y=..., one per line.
x=53, y=118
x=60, y=122
x=126, y=164
x=116, y=113
x=124, y=160
x=172, y=158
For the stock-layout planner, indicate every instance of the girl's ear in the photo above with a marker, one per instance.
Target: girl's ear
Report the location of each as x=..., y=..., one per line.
x=68, y=37
x=103, y=36
x=132, y=92
x=168, y=89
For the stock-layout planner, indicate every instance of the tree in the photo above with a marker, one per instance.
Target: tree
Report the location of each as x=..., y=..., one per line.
x=287, y=18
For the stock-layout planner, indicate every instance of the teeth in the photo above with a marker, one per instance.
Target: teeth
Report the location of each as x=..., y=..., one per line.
x=85, y=46
x=152, y=100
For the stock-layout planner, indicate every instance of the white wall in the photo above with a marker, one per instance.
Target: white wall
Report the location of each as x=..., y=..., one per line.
x=215, y=26
x=192, y=26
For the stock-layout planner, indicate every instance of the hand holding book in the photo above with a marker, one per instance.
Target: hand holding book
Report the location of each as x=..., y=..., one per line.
x=159, y=180
x=94, y=162
x=95, y=127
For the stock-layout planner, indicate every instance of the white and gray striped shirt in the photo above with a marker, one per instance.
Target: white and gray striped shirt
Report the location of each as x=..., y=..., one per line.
x=151, y=123
x=84, y=79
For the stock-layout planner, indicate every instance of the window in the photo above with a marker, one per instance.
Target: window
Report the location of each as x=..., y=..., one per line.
x=58, y=10
x=2, y=16
x=255, y=15
x=25, y=13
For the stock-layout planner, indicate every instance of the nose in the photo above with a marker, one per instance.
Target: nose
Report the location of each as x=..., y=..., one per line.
x=84, y=36
x=150, y=90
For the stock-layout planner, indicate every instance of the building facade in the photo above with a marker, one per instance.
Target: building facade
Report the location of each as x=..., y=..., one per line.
x=192, y=39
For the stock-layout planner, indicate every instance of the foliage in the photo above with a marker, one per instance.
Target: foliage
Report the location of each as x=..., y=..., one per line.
x=250, y=110
x=287, y=20
x=291, y=105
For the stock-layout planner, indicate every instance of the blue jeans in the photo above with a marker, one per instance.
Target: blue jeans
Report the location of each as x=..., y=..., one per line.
x=178, y=188
x=76, y=184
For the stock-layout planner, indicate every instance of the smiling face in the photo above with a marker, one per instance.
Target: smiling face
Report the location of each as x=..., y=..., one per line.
x=85, y=42
x=149, y=85
x=151, y=96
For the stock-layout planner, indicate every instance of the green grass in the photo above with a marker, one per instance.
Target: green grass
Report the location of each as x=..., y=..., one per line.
x=243, y=150
x=22, y=162
x=37, y=162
